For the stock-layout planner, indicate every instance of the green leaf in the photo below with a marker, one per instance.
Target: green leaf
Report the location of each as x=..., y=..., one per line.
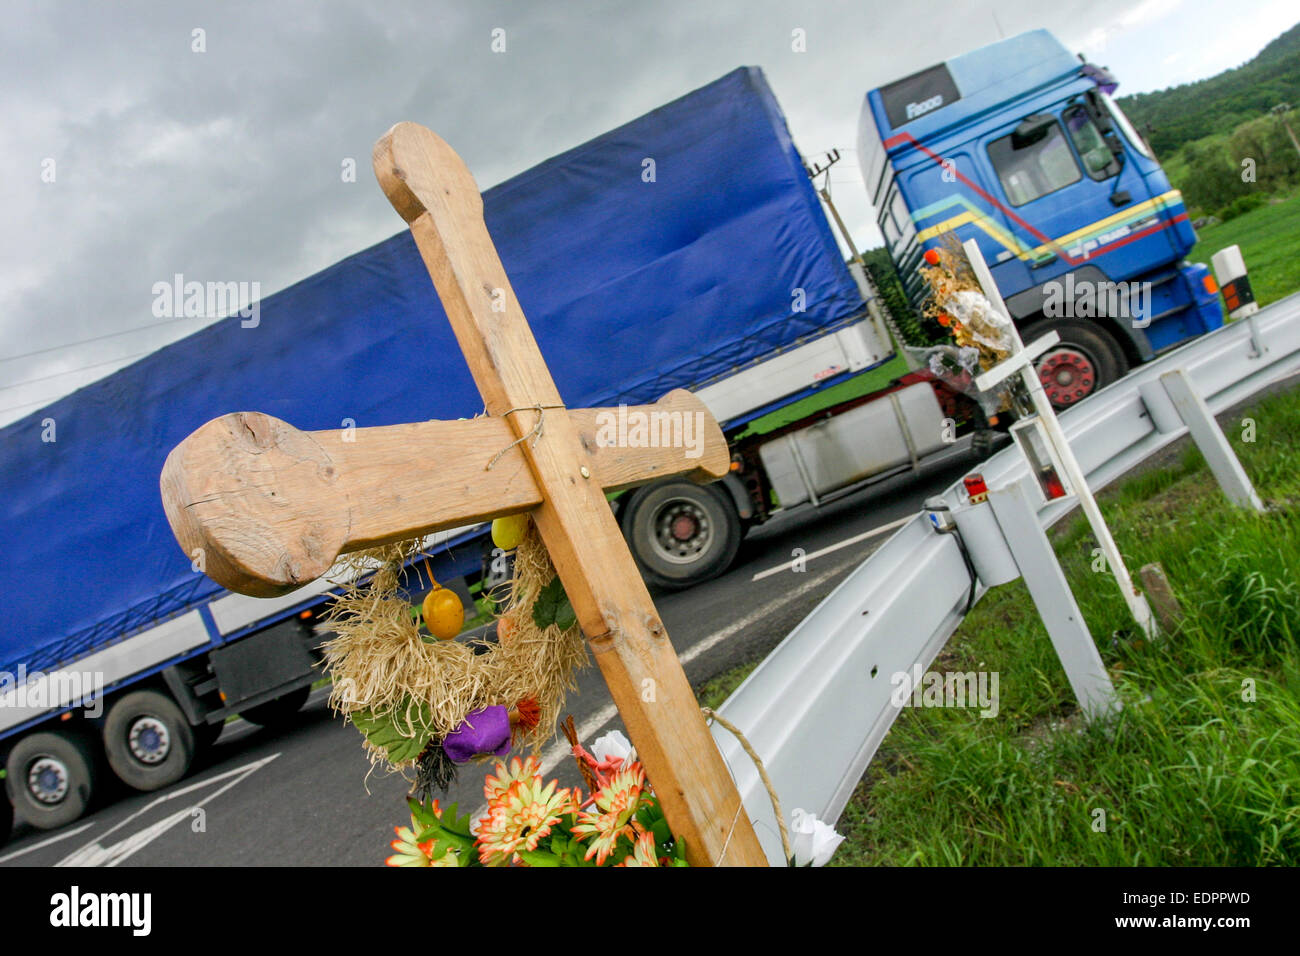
x=382, y=732
x=547, y=602
x=539, y=858
x=552, y=607
x=565, y=616
x=456, y=824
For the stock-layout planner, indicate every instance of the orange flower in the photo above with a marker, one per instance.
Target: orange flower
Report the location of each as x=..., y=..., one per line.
x=643, y=852
x=521, y=811
x=618, y=802
x=409, y=852
x=494, y=787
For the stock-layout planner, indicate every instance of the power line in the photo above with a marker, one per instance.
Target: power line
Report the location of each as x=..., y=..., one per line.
x=97, y=338
x=71, y=371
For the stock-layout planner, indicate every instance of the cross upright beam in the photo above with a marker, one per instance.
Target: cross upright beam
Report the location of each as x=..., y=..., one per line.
x=275, y=506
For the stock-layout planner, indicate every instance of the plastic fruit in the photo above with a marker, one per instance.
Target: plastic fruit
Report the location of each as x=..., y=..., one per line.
x=444, y=615
x=507, y=532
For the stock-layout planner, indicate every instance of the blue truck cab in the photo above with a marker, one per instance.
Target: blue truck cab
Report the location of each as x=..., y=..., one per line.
x=1019, y=146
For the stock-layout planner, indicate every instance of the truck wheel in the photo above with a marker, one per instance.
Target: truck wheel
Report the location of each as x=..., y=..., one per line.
x=276, y=713
x=148, y=741
x=1087, y=359
x=50, y=778
x=681, y=533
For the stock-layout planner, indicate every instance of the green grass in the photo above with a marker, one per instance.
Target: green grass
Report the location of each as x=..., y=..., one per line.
x=1191, y=772
x=1267, y=237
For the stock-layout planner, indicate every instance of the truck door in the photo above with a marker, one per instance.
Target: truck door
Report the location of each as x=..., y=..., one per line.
x=1075, y=201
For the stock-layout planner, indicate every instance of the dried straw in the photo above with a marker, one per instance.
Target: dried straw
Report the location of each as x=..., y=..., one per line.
x=379, y=660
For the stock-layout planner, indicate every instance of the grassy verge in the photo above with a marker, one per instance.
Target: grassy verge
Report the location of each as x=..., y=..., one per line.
x=1267, y=239
x=1203, y=765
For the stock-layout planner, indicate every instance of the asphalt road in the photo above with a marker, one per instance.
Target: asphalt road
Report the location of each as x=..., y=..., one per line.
x=302, y=796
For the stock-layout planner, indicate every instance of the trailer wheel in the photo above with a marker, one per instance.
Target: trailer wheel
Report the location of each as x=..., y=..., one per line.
x=276, y=713
x=50, y=778
x=148, y=741
x=1087, y=358
x=681, y=533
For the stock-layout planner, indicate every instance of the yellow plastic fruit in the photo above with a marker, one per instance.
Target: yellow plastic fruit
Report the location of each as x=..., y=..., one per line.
x=444, y=615
x=509, y=531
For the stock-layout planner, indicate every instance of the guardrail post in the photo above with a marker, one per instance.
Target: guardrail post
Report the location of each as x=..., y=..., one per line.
x=1209, y=438
x=1055, y=601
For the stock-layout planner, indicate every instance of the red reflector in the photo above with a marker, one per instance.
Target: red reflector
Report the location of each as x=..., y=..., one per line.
x=305, y=614
x=67, y=716
x=976, y=488
x=932, y=257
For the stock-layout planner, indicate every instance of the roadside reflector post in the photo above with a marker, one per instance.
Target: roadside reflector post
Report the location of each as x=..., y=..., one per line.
x=1238, y=297
x=1021, y=362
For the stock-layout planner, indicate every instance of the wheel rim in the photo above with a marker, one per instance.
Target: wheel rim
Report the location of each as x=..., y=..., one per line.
x=47, y=780
x=682, y=530
x=148, y=739
x=1068, y=375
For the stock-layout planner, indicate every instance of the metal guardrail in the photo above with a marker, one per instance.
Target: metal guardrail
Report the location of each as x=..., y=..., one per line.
x=816, y=709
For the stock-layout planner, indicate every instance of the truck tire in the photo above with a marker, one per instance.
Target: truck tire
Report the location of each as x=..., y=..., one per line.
x=1087, y=359
x=50, y=778
x=148, y=741
x=278, y=712
x=681, y=533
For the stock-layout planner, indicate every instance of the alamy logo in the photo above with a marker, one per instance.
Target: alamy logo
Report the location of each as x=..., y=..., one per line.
x=634, y=428
x=1071, y=298
x=74, y=908
x=40, y=691
x=208, y=300
x=951, y=689
x=919, y=109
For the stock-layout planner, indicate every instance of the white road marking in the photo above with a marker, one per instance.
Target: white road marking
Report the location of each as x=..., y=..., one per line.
x=96, y=854
x=589, y=728
x=45, y=843
x=834, y=547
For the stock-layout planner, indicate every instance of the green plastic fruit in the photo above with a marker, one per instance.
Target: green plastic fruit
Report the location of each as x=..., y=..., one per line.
x=509, y=531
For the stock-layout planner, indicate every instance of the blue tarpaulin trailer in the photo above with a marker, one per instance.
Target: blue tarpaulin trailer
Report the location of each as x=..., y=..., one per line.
x=664, y=254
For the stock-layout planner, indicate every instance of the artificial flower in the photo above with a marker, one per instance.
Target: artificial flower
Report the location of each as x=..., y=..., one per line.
x=812, y=841
x=643, y=852
x=613, y=747
x=409, y=851
x=525, y=769
x=519, y=817
x=618, y=800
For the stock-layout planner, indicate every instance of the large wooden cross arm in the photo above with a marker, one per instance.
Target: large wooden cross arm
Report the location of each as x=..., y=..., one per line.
x=273, y=506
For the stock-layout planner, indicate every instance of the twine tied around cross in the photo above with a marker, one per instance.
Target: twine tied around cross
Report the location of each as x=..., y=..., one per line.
x=535, y=433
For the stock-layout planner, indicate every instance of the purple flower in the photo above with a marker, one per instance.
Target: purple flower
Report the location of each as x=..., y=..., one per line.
x=483, y=731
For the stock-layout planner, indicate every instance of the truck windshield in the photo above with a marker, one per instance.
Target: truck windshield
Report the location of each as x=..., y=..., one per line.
x=1034, y=170
x=1126, y=127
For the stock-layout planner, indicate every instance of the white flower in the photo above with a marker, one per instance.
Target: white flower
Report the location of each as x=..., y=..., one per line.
x=613, y=744
x=812, y=841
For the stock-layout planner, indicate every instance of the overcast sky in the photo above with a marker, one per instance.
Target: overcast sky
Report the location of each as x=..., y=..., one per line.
x=226, y=164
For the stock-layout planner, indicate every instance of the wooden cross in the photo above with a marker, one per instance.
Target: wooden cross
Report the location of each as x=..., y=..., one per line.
x=272, y=507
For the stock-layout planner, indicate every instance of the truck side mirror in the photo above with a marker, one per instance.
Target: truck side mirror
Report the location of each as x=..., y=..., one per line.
x=1032, y=129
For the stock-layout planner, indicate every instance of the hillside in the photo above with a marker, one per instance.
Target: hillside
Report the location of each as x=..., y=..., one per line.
x=1169, y=118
